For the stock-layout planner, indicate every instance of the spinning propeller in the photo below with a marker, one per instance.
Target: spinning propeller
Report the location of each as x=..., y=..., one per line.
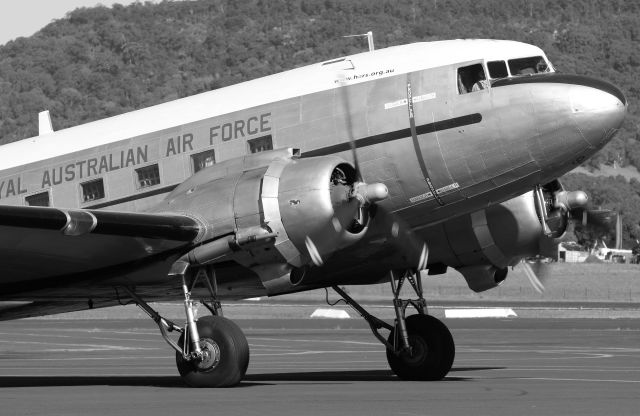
x=557, y=208
x=356, y=204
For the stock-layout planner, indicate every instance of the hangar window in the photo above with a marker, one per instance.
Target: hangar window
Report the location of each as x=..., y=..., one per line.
x=471, y=78
x=203, y=160
x=528, y=66
x=260, y=144
x=148, y=176
x=497, y=69
x=92, y=190
x=38, y=200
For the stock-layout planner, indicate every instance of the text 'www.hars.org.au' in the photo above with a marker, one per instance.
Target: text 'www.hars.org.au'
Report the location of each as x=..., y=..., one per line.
x=371, y=74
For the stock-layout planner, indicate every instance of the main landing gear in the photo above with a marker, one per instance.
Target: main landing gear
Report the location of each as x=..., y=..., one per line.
x=419, y=347
x=212, y=351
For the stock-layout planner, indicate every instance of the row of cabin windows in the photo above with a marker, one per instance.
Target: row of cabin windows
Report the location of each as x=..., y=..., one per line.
x=148, y=176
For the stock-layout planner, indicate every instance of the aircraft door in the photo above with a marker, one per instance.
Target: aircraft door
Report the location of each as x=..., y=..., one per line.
x=427, y=95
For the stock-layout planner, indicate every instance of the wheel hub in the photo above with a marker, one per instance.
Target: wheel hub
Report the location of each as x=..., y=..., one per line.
x=419, y=350
x=210, y=355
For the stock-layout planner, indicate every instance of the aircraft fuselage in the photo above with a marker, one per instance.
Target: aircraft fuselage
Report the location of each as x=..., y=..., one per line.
x=441, y=147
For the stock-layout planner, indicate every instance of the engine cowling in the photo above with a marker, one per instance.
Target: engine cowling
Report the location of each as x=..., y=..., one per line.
x=483, y=244
x=498, y=235
x=283, y=211
x=483, y=277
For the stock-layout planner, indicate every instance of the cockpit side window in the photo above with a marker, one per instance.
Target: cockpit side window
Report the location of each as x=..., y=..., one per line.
x=497, y=69
x=471, y=78
x=528, y=66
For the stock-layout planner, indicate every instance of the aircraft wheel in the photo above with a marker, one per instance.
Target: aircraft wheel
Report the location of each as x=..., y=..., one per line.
x=433, y=350
x=226, y=355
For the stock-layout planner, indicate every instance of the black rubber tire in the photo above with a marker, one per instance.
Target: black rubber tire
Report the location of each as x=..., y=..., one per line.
x=234, y=355
x=433, y=350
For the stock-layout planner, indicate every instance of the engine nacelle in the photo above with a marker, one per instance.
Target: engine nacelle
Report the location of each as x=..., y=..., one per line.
x=316, y=205
x=303, y=208
x=483, y=277
x=482, y=245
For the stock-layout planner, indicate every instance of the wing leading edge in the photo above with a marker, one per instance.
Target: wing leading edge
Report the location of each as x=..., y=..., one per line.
x=41, y=247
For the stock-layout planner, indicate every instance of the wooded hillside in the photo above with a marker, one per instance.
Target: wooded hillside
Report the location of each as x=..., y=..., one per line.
x=99, y=62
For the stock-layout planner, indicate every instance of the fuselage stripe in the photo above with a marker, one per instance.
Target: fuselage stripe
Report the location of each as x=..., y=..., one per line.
x=398, y=135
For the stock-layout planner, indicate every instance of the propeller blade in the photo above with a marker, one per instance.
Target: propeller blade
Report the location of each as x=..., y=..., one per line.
x=412, y=249
x=321, y=244
x=595, y=217
x=618, y=231
x=363, y=206
x=533, y=278
x=342, y=80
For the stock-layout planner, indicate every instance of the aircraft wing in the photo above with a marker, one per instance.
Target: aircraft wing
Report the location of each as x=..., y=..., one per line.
x=50, y=247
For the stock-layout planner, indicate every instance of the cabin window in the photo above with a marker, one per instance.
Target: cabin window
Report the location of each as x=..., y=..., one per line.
x=203, y=160
x=260, y=144
x=148, y=176
x=528, y=66
x=92, y=190
x=471, y=78
x=38, y=200
x=497, y=69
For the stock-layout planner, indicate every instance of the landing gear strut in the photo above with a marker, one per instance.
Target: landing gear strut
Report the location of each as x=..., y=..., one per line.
x=419, y=347
x=212, y=351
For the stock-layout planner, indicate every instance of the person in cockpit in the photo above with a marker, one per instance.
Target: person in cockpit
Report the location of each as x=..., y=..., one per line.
x=481, y=82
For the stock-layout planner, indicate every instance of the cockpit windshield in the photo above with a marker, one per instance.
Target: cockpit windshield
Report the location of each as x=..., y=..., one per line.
x=528, y=66
x=477, y=77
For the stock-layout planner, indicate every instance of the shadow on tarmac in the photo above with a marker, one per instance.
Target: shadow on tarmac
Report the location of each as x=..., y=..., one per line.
x=337, y=376
x=249, y=380
x=39, y=381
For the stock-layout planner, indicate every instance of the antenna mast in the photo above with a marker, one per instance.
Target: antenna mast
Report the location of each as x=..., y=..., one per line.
x=369, y=36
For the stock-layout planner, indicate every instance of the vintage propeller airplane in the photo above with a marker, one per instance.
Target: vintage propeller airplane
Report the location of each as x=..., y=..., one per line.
x=353, y=171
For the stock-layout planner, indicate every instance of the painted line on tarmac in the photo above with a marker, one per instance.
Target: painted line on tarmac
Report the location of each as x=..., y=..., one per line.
x=315, y=341
x=330, y=313
x=311, y=363
x=479, y=313
x=577, y=379
x=55, y=334
x=142, y=357
x=561, y=356
x=76, y=347
x=317, y=352
x=574, y=369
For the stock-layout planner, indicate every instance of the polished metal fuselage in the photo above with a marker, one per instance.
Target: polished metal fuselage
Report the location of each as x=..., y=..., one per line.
x=441, y=154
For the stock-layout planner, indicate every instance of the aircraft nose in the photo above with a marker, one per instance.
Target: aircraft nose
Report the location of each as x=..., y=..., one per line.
x=598, y=109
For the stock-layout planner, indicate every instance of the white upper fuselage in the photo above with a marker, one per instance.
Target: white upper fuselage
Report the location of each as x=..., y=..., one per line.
x=297, y=82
